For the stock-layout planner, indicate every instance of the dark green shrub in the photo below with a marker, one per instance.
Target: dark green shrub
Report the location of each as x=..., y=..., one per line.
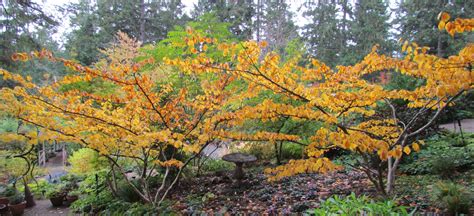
x=126, y=193
x=93, y=202
x=16, y=199
x=106, y=204
x=440, y=156
x=117, y=207
x=58, y=190
x=348, y=160
x=453, y=197
x=7, y=191
x=462, y=109
x=71, y=178
x=74, y=193
x=70, y=181
x=291, y=151
x=266, y=151
x=155, y=181
x=443, y=166
x=140, y=209
x=459, y=142
x=214, y=165
x=90, y=185
x=261, y=150
x=199, y=200
x=415, y=188
x=120, y=207
x=353, y=205
x=38, y=188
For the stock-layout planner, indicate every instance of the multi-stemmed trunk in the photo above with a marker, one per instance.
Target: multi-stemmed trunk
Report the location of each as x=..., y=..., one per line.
x=147, y=194
x=391, y=172
x=30, y=202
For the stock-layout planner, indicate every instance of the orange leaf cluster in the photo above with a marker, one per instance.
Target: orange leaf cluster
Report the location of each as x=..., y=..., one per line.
x=457, y=26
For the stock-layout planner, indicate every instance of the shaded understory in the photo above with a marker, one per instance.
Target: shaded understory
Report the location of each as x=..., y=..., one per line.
x=217, y=193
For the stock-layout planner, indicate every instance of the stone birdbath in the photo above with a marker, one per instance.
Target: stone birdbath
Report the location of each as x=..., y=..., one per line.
x=239, y=159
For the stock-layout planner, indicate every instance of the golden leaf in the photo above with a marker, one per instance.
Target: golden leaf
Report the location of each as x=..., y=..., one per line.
x=415, y=147
x=443, y=16
x=407, y=150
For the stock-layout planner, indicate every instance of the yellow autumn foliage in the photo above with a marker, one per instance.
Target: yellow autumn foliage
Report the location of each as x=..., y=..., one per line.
x=139, y=121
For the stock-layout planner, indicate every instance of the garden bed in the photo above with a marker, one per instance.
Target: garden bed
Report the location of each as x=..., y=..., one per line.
x=213, y=194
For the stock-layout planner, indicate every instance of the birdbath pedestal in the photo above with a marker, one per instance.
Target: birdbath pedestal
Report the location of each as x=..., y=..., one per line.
x=239, y=159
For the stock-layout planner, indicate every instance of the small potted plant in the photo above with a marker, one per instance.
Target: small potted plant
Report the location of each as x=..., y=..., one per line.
x=17, y=204
x=72, y=196
x=56, y=195
x=70, y=182
x=5, y=193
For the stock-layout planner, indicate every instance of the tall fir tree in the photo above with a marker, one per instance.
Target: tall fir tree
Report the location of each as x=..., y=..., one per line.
x=95, y=23
x=25, y=27
x=370, y=26
x=324, y=33
x=85, y=39
x=20, y=22
x=238, y=13
x=148, y=21
x=277, y=25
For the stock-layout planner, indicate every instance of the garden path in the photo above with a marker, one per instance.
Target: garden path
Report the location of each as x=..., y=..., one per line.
x=467, y=125
x=44, y=208
x=54, y=169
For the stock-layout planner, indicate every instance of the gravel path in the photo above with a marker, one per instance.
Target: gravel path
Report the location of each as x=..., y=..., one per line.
x=467, y=125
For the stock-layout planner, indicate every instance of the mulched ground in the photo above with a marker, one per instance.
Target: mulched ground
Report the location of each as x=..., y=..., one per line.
x=219, y=194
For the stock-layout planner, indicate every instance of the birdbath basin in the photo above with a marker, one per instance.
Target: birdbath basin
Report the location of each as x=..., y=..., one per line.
x=239, y=159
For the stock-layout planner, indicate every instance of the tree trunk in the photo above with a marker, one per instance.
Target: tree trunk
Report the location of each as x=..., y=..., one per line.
x=277, y=153
x=142, y=21
x=259, y=9
x=344, y=23
x=30, y=202
x=113, y=185
x=392, y=168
